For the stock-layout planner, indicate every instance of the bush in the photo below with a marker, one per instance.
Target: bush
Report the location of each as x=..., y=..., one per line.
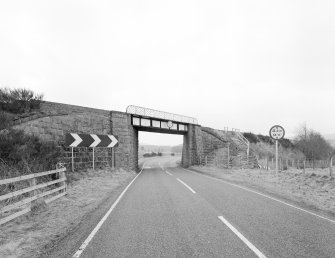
x=265, y=138
x=252, y=138
x=6, y=120
x=286, y=143
x=148, y=155
x=27, y=153
x=19, y=101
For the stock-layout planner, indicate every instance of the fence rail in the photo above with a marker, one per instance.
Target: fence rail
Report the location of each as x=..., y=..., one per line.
x=34, y=194
x=285, y=164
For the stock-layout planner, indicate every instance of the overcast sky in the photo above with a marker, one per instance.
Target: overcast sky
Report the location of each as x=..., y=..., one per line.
x=242, y=64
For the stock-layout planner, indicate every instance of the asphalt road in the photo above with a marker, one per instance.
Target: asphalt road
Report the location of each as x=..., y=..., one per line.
x=172, y=212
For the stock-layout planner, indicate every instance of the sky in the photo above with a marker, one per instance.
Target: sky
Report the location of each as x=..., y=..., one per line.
x=238, y=64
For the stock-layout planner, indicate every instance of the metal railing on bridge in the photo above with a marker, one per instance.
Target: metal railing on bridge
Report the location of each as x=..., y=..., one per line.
x=147, y=112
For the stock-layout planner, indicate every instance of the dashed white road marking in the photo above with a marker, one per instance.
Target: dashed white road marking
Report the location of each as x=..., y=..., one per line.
x=246, y=241
x=167, y=172
x=189, y=188
x=98, y=226
x=264, y=195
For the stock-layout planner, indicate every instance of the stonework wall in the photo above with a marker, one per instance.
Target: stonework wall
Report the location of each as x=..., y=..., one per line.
x=192, y=147
x=126, y=152
x=54, y=120
x=211, y=143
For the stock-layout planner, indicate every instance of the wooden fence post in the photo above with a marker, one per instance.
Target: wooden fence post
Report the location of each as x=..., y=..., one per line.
x=304, y=166
x=62, y=175
x=267, y=163
x=33, y=183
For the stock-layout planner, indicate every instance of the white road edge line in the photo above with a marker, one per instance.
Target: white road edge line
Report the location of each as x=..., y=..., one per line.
x=264, y=195
x=246, y=241
x=167, y=172
x=189, y=188
x=98, y=226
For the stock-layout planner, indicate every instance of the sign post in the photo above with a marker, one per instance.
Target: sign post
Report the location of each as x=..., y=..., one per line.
x=89, y=140
x=277, y=132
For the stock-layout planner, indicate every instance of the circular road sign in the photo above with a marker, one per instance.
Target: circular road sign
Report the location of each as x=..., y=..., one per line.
x=277, y=132
x=169, y=124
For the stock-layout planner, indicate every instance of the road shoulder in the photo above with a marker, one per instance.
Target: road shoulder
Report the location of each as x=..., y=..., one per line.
x=64, y=223
x=304, y=191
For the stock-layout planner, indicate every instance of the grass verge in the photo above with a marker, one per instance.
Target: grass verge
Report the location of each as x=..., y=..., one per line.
x=314, y=190
x=28, y=235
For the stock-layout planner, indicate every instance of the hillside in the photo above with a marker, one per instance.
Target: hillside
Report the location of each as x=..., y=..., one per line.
x=264, y=148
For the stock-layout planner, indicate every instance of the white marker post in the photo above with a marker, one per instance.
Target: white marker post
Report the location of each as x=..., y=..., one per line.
x=277, y=132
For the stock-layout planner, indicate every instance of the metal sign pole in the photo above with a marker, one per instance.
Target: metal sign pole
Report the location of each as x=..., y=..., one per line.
x=72, y=159
x=93, y=158
x=277, y=132
x=113, y=158
x=276, y=158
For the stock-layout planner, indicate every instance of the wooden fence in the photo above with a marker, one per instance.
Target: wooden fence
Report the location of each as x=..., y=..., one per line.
x=285, y=164
x=31, y=193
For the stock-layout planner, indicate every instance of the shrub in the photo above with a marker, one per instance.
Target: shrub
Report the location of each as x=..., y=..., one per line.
x=6, y=120
x=265, y=138
x=27, y=153
x=286, y=143
x=19, y=100
x=252, y=138
x=152, y=154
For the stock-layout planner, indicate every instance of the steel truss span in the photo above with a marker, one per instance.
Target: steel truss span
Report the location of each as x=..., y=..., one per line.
x=147, y=112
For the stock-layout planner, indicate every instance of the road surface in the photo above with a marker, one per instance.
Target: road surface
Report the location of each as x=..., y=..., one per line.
x=171, y=212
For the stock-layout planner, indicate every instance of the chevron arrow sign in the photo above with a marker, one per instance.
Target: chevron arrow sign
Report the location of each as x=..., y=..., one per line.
x=90, y=140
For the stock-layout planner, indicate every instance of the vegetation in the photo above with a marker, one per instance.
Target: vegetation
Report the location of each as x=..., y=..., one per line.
x=19, y=100
x=308, y=145
x=152, y=154
x=312, y=144
x=21, y=153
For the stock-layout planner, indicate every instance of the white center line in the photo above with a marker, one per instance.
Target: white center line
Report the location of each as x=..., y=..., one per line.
x=246, y=241
x=167, y=172
x=189, y=188
x=261, y=194
x=98, y=226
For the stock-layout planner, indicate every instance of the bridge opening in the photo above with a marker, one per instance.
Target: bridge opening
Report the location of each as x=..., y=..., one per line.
x=144, y=121
x=159, y=149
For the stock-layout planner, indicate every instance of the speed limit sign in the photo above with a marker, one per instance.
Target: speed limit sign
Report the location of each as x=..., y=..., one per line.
x=277, y=132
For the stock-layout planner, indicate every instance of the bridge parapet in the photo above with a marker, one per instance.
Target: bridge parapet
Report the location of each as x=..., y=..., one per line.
x=147, y=112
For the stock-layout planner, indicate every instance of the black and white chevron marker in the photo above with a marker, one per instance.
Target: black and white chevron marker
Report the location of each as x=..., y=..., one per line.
x=90, y=140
